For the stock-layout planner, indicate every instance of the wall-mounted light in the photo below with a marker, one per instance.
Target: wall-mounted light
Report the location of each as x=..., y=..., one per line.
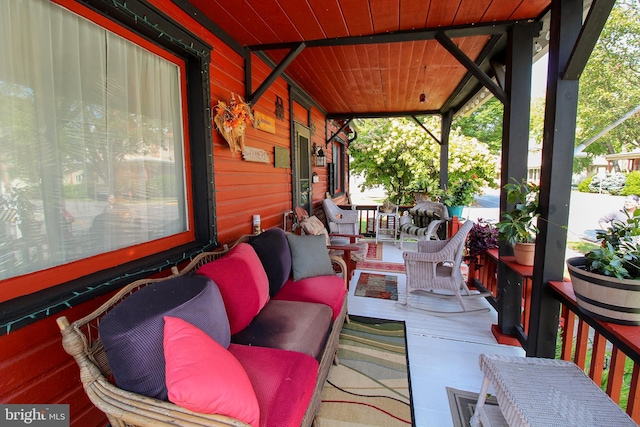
x=321, y=159
x=315, y=178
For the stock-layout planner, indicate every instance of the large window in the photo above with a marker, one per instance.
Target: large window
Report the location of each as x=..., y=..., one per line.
x=92, y=145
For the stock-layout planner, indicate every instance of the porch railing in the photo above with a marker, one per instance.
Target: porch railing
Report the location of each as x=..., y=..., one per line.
x=367, y=217
x=607, y=352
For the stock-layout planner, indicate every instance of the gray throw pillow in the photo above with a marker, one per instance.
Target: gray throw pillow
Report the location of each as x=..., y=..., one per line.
x=309, y=256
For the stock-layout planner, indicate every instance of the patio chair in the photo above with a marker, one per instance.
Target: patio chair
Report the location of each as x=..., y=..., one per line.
x=343, y=221
x=346, y=245
x=423, y=222
x=436, y=266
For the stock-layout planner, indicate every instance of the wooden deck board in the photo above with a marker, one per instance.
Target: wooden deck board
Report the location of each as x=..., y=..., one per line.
x=443, y=351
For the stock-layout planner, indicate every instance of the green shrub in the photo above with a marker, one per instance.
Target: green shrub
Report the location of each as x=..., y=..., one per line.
x=584, y=185
x=632, y=186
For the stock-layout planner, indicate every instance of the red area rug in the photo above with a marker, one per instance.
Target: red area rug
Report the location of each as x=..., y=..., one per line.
x=374, y=251
x=390, y=267
x=374, y=285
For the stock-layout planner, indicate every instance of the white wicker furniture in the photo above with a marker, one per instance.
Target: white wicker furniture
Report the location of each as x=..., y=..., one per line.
x=342, y=221
x=436, y=267
x=545, y=392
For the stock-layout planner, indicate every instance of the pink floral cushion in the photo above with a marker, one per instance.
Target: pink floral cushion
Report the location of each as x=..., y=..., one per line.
x=205, y=377
x=243, y=284
x=314, y=227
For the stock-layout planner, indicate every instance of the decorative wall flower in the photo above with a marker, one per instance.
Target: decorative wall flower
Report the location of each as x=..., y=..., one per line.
x=232, y=120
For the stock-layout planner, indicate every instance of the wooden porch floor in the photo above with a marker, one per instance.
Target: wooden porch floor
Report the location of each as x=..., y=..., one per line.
x=443, y=351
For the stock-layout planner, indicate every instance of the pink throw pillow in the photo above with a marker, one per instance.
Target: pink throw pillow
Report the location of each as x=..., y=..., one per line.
x=313, y=226
x=243, y=284
x=205, y=377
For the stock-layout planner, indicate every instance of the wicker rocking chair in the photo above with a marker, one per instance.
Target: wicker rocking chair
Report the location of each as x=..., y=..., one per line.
x=436, y=266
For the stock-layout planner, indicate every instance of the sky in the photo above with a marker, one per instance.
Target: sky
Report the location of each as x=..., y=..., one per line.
x=539, y=77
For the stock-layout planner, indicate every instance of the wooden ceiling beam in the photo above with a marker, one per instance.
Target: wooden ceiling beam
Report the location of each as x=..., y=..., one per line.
x=471, y=66
x=477, y=29
x=277, y=72
x=415, y=118
x=381, y=114
x=343, y=127
x=495, y=44
x=591, y=29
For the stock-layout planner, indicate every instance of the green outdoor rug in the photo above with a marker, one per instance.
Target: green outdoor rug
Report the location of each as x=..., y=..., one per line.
x=370, y=386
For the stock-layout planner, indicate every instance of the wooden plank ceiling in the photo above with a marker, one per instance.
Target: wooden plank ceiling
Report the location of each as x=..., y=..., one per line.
x=349, y=74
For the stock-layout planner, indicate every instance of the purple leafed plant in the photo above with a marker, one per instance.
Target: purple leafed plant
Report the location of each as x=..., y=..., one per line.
x=482, y=237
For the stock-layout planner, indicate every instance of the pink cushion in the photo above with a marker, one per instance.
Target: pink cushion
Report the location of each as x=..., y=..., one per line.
x=204, y=377
x=283, y=380
x=313, y=226
x=327, y=290
x=243, y=284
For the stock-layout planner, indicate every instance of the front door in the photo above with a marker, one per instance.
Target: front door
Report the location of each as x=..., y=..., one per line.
x=302, y=168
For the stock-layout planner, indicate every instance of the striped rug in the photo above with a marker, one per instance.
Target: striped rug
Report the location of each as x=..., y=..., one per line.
x=374, y=251
x=370, y=386
x=389, y=267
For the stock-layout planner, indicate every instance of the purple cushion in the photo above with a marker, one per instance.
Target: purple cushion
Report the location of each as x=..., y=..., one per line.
x=133, y=332
x=272, y=248
x=284, y=382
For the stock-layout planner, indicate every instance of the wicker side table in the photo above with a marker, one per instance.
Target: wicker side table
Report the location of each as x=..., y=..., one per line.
x=545, y=392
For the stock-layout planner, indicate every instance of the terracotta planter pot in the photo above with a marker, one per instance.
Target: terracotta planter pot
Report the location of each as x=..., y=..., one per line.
x=606, y=298
x=524, y=253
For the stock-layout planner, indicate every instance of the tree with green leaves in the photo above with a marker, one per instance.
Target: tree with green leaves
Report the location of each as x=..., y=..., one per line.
x=610, y=84
x=399, y=155
x=484, y=124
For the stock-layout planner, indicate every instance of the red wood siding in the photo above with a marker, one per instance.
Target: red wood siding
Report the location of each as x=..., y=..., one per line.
x=34, y=368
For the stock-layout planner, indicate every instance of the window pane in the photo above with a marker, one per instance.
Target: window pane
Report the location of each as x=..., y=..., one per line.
x=91, y=140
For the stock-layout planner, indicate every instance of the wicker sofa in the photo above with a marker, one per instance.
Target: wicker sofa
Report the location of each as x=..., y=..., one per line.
x=284, y=350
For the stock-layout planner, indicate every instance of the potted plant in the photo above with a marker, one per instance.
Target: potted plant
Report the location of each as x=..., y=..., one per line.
x=606, y=280
x=482, y=237
x=458, y=196
x=518, y=227
x=425, y=188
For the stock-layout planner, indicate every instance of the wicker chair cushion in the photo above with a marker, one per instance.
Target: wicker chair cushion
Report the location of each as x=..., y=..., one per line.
x=314, y=227
x=284, y=382
x=328, y=290
x=309, y=256
x=205, y=377
x=243, y=284
x=272, y=248
x=133, y=331
x=289, y=325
